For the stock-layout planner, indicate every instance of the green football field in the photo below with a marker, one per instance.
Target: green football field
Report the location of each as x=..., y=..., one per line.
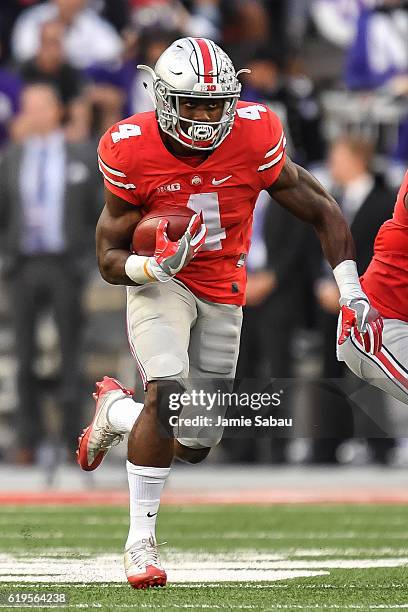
x=327, y=557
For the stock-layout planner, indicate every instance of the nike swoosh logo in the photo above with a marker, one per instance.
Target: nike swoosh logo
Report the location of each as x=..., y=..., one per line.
x=150, y=515
x=221, y=181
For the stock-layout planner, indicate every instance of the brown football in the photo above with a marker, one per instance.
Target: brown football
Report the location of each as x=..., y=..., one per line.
x=144, y=236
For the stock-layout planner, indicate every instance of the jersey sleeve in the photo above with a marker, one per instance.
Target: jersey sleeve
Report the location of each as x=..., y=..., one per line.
x=273, y=149
x=116, y=162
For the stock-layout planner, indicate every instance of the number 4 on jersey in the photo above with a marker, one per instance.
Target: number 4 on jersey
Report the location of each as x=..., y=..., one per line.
x=126, y=130
x=208, y=203
x=251, y=112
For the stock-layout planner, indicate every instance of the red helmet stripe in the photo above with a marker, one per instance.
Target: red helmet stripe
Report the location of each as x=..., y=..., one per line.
x=209, y=68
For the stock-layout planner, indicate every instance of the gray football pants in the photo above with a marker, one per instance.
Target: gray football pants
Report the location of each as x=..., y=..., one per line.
x=173, y=334
x=388, y=370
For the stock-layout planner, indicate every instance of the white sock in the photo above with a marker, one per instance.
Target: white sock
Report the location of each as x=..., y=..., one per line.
x=145, y=487
x=123, y=413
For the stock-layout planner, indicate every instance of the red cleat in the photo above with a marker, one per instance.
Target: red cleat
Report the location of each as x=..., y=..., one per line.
x=143, y=567
x=99, y=436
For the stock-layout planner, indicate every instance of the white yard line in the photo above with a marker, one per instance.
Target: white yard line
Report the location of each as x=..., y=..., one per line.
x=286, y=553
x=181, y=568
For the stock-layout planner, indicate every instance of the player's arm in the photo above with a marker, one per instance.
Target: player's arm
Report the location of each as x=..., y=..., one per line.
x=302, y=195
x=114, y=233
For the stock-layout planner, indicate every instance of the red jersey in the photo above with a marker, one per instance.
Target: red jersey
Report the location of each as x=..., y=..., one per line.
x=139, y=168
x=386, y=279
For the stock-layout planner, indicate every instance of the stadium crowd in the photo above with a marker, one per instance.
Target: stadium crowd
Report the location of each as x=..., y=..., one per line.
x=336, y=73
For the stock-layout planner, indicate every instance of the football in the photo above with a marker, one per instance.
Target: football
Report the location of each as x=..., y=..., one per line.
x=144, y=236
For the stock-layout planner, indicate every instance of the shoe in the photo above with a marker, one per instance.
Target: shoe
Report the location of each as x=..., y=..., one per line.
x=143, y=567
x=99, y=437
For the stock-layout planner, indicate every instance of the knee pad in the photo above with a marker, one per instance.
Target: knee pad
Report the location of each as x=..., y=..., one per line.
x=164, y=366
x=199, y=428
x=202, y=442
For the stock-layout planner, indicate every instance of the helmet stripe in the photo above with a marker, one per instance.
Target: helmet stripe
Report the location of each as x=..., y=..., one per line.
x=209, y=67
x=198, y=57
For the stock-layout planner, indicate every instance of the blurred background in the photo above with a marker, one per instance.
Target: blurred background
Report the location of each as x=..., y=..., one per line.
x=335, y=71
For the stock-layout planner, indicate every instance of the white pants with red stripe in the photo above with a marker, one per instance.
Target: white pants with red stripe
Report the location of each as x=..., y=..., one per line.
x=388, y=370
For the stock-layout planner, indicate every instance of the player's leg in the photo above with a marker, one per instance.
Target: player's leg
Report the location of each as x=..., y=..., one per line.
x=213, y=351
x=115, y=411
x=216, y=322
x=160, y=317
x=388, y=370
x=114, y=416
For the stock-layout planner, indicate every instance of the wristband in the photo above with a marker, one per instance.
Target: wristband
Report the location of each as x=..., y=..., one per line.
x=348, y=282
x=138, y=270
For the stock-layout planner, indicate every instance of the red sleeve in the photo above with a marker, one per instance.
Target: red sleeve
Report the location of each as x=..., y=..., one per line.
x=117, y=162
x=273, y=150
x=400, y=211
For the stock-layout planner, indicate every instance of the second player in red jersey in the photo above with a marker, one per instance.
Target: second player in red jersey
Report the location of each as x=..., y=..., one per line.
x=386, y=279
x=386, y=284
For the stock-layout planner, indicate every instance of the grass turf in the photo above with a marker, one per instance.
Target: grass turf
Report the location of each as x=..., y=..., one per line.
x=287, y=535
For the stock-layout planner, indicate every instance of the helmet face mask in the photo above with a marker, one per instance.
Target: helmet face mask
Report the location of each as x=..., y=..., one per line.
x=200, y=70
x=193, y=134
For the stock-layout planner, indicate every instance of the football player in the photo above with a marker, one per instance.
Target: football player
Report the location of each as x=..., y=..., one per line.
x=204, y=149
x=385, y=282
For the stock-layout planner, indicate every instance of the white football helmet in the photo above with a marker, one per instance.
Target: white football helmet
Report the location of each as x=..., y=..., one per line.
x=194, y=68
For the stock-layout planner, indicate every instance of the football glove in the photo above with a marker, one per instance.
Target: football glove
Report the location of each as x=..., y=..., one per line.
x=357, y=314
x=171, y=257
